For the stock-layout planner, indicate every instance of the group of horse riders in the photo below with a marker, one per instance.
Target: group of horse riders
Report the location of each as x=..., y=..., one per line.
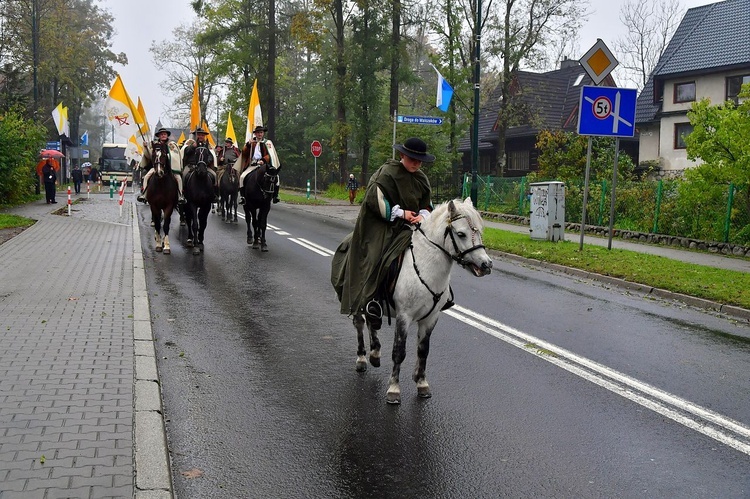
x=256, y=152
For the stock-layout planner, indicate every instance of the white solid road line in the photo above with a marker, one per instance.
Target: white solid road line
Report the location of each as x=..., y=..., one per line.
x=700, y=419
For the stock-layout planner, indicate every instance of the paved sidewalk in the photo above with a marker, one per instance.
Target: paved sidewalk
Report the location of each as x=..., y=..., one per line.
x=80, y=411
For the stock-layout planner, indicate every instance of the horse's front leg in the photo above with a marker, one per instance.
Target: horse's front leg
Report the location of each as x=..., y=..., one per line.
x=359, y=324
x=165, y=228
x=393, y=396
x=423, y=350
x=156, y=222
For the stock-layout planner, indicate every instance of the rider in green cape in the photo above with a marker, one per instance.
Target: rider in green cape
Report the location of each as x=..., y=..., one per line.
x=397, y=195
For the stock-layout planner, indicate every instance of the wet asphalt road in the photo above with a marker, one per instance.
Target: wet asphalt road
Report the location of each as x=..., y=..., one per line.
x=262, y=399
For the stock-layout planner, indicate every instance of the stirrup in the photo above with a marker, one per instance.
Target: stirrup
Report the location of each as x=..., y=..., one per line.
x=374, y=313
x=448, y=304
x=241, y=201
x=141, y=198
x=181, y=200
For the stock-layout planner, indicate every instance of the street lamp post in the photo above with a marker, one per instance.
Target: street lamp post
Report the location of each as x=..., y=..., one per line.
x=475, y=137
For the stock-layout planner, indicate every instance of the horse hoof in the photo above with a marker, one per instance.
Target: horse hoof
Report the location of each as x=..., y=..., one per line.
x=200, y=247
x=256, y=245
x=196, y=251
x=393, y=398
x=264, y=247
x=189, y=243
x=167, y=251
x=423, y=392
x=158, y=249
x=375, y=361
x=361, y=366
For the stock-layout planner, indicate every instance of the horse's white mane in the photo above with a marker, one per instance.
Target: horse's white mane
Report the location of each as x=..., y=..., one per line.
x=441, y=214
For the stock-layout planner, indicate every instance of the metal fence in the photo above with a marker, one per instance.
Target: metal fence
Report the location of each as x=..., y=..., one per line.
x=718, y=212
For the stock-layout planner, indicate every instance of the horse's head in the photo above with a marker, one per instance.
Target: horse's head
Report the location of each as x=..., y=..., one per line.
x=461, y=227
x=203, y=159
x=161, y=158
x=269, y=178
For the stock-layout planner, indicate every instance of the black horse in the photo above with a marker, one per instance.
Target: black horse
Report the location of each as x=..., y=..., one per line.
x=258, y=190
x=199, y=193
x=161, y=193
x=229, y=187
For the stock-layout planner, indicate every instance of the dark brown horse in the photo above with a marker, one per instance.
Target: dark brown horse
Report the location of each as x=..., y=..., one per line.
x=199, y=193
x=229, y=187
x=161, y=193
x=258, y=190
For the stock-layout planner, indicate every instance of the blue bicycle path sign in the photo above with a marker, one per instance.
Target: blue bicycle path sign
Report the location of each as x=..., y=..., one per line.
x=607, y=111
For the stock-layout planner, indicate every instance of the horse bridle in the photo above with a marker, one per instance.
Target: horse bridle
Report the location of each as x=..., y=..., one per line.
x=458, y=257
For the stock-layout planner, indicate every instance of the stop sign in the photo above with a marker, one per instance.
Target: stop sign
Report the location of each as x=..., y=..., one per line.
x=316, y=149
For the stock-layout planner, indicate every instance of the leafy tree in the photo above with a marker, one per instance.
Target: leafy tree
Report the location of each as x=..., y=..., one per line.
x=20, y=141
x=721, y=139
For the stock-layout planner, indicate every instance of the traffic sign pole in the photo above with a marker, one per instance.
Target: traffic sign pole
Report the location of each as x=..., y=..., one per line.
x=612, y=202
x=585, y=191
x=316, y=149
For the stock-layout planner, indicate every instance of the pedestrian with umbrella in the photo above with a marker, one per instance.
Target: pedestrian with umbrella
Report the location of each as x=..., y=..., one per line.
x=50, y=177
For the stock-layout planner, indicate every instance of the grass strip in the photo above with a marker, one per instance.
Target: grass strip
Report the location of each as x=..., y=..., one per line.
x=724, y=286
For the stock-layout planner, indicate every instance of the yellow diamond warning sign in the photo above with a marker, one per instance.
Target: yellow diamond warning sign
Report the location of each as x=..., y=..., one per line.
x=598, y=62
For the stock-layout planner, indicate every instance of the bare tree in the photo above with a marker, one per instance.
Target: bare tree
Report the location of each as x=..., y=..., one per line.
x=649, y=26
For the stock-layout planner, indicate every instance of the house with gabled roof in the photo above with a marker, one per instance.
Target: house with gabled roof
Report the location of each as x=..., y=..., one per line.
x=708, y=57
x=547, y=101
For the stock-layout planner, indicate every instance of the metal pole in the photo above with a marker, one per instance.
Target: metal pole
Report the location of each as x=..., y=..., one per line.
x=475, y=137
x=585, y=192
x=614, y=185
x=315, y=191
x=393, y=151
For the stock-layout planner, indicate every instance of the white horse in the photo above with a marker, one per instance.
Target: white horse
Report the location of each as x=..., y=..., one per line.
x=452, y=233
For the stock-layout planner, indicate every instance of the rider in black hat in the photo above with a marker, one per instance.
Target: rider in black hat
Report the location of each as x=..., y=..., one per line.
x=191, y=152
x=161, y=138
x=258, y=151
x=398, y=194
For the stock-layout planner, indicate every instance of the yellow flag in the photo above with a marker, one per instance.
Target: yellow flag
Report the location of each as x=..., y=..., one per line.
x=230, y=128
x=195, y=108
x=142, y=112
x=210, y=137
x=65, y=122
x=121, y=112
x=181, y=140
x=57, y=117
x=254, y=116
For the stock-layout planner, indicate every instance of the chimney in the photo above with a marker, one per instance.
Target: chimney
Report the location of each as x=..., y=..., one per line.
x=568, y=63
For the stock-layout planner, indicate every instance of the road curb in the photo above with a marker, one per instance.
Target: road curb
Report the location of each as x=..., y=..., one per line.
x=153, y=477
x=701, y=303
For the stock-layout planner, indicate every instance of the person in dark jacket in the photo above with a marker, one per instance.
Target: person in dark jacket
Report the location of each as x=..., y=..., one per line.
x=77, y=176
x=49, y=176
x=397, y=195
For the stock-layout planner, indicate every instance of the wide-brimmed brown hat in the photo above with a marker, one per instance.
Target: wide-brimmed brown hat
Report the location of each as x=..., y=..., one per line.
x=162, y=129
x=260, y=128
x=415, y=148
x=199, y=130
x=229, y=139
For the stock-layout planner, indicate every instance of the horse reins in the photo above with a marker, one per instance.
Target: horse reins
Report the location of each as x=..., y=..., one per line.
x=458, y=257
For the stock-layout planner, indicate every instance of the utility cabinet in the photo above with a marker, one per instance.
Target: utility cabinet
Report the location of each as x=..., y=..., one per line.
x=547, y=215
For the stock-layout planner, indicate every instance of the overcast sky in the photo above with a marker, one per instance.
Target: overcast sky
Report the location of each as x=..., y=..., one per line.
x=140, y=22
